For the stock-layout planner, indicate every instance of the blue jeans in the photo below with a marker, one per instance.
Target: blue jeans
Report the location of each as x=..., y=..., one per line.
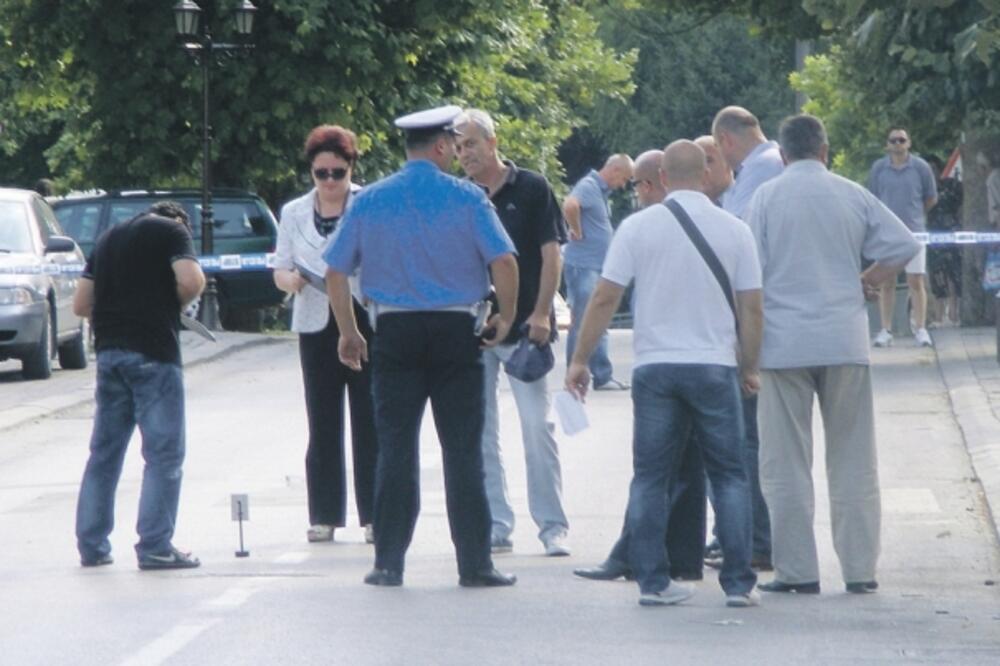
x=668, y=400
x=580, y=284
x=760, y=516
x=541, y=453
x=133, y=389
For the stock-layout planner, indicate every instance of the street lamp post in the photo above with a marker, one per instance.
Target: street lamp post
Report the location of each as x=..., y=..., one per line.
x=199, y=43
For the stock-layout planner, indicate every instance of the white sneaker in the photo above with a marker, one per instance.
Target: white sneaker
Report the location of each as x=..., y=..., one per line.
x=883, y=339
x=751, y=598
x=674, y=594
x=923, y=338
x=317, y=533
x=369, y=533
x=556, y=546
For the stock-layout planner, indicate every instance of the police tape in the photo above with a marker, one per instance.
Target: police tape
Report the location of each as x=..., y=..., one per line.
x=217, y=263
x=261, y=261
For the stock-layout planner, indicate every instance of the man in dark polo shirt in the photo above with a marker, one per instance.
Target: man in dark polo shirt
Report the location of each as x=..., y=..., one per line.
x=906, y=185
x=530, y=214
x=141, y=274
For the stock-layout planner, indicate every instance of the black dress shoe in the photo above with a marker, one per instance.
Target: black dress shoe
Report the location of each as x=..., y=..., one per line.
x=489, y=578
x=384, y=578
x=862, y=588
x=98, y=561
x=607, y=570
x=799, y=588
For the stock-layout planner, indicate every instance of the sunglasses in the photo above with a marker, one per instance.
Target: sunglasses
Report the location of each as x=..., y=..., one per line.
x=326, y=174
x=897, y=140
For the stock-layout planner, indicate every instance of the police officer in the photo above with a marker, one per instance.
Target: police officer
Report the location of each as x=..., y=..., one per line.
x=426, y=243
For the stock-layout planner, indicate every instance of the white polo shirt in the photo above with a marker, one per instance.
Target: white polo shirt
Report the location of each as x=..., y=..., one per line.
x=681, y=314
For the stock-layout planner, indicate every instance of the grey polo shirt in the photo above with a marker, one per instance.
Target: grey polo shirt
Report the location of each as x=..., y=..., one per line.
x=761, y=165
x=904, y=189
x=595, y=221
x=812, y=228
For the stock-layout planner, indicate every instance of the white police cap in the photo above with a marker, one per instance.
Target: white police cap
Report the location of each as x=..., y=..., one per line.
x=441, y=117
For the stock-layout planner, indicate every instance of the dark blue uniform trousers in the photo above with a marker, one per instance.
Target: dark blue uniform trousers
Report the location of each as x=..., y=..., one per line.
x=418, y=356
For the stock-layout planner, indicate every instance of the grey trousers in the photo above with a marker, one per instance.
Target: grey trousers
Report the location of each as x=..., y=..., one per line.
x=786, y=457
x=541, y=453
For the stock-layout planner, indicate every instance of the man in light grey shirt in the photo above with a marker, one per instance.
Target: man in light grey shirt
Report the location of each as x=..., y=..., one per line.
x=906, y=185
x=753, y=159
x=812, y=227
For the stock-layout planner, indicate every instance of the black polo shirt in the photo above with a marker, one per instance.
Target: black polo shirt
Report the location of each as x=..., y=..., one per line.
x=531, y=215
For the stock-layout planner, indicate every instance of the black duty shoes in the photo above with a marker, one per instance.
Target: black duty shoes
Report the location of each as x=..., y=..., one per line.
x=489, y=578
x=798, y=588
x=384, y=578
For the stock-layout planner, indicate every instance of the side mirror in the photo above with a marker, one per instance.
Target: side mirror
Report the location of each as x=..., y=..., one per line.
x=60, y=244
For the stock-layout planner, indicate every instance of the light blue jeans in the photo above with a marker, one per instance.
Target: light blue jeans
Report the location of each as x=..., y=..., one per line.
x=133, y=389
x=580, y=284
x=541, y=453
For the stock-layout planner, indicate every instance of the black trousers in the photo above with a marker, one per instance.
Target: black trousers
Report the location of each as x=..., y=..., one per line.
x=421, y=356
x=325, y=379
x=685, y=540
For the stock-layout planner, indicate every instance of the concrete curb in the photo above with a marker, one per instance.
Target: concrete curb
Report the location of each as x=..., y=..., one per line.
x=973, y=409
x=194, y=354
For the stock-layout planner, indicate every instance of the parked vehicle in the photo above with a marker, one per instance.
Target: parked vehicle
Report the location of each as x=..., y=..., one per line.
x=39, y=269
x=243, y=224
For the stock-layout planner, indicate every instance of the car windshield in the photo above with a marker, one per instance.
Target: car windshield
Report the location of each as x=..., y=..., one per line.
x=15, y=236
x=232, y=218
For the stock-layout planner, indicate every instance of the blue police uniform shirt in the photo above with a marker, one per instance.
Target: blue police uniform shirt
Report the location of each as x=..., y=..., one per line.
x=423, y=239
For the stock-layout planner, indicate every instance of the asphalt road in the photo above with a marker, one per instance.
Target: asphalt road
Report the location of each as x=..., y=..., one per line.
x=292, y=602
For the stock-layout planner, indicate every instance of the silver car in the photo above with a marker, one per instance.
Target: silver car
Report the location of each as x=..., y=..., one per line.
x=39, y=269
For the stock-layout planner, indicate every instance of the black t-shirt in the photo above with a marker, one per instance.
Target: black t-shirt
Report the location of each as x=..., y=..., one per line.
x=135, y=290
x=531, y=215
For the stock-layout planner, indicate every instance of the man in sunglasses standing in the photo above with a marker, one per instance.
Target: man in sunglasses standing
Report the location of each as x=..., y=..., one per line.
x=905, y=184
x=426, y=244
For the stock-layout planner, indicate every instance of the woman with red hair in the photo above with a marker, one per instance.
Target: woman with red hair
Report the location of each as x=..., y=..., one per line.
x=307, y=224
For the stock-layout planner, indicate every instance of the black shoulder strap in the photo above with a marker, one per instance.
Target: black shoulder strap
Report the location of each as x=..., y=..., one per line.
x=705, y=250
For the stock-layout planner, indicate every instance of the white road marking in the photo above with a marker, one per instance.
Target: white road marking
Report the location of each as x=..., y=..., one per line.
x=292, y=557
x=168, y=644
x=909, y=500
x=233, y=597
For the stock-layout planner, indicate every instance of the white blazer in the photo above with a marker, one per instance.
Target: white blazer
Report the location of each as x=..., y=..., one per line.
x=298, y=241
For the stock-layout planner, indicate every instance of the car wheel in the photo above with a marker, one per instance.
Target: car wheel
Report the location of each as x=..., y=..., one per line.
x=38, y=364
x=73, y=354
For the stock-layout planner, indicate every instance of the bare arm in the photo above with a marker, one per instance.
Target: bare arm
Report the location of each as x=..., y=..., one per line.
x=875, y=275
x=190, y=280
x=504, y=272
x=601, y=308
x=352, y=347
x=571, y=211
x=548, y=282
x=750, y=313
x=83, y=298
x=929, y=203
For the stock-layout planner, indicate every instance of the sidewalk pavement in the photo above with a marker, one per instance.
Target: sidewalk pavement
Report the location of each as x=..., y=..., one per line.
x=967, y=358
x=23, y=401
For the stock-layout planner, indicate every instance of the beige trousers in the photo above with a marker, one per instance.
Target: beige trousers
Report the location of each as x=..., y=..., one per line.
x=786, y=455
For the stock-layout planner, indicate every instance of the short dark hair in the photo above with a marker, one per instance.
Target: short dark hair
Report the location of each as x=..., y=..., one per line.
x=45, y=187
x=422, y=138
x=334, y=139
x=171, y=210
x=802, y=136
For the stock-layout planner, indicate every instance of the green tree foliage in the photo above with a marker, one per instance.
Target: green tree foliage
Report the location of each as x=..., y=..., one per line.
x=690, y=65
x=134, y=117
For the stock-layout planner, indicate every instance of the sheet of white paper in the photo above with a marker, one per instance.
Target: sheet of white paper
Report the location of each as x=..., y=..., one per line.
x=572, y=416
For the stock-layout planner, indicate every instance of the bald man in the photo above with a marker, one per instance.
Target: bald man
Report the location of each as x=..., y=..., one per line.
x=686, y=372
x=753, y=159
x=685, y=538
x=589, y=220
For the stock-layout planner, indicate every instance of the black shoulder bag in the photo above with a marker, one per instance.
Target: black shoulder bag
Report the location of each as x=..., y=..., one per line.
x=705, y=250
